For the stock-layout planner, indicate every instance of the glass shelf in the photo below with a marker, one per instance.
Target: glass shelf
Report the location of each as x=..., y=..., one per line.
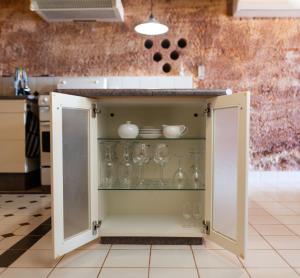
x=151, y=185
x=156, y=139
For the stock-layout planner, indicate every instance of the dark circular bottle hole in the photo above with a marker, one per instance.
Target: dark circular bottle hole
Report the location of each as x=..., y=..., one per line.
x=157, y=57
x=167, y=67
x=196, y=115
x=174, y=55
x=112, y=114
x=148, y=44
x=165, y=44
x=182, y=43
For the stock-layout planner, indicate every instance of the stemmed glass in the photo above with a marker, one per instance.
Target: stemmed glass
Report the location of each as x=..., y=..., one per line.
x=161, y=158
x=196, y=174
x=141, y=156
x=126, y=168
x=180, y=178
x=109, y=165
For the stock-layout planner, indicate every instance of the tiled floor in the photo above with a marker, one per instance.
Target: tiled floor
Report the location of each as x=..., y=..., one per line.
x=273, y=243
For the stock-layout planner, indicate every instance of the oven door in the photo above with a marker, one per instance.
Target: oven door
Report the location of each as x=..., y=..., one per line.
x=45, y=143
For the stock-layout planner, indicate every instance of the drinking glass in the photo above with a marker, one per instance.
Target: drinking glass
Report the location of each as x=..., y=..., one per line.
x=197, y=214
x=187, y=215
x=126, y=167
x=180, y=178
x=196, y=173
x=161, y=158
x=141, y=156
x=109, y=165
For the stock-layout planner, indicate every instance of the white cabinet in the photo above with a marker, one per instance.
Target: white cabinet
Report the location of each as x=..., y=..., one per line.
x=84, y=208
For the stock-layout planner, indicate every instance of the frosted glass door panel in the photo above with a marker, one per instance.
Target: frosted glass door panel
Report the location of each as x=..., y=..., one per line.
x=75, y=128
x=225, y=164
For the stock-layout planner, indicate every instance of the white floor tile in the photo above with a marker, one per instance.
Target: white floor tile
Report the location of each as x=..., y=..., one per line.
x=271, y=205
x=26, y=272
x=257, y=211
x=2, y=268
x=222, y=273
x=272, y=273
x=130, y=247
x=8, y=242
x=263, y=219
x=74, y=272
x=298, y=270
x=36, y=258
x=83, y=258
x=263, y=258
x=284, y=242
x=280, y=211
x=295, y=229
x=273, y=230
x=291, y=256
x=124, y=273
x=173, y=273
x=127, y=258
x=257, y=242
x=95, y=245
x=288, y=219
x=172, y=258
x=207, y=244
x=171, y=247
x=251, y=230
x=216, y=259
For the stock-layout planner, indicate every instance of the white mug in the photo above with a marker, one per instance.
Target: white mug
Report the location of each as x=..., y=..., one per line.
x=174, y=131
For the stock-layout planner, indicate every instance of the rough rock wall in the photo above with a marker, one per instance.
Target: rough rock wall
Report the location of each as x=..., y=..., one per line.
x=260, y=55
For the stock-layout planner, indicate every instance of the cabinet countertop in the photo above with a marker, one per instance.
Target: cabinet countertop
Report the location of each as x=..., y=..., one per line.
x=144, y=92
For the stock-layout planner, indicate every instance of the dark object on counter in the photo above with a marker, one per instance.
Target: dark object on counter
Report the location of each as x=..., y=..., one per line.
x=174, y=55
x=182, y=43
x=32, y=135
x=167, y=67
x=165, y=44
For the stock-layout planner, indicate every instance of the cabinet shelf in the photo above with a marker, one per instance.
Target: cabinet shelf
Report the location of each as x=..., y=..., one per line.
x=146, y=139
x=151, y=185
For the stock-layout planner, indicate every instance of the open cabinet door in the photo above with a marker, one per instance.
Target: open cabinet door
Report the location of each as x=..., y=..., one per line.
x=226, y=171
x=74, y=172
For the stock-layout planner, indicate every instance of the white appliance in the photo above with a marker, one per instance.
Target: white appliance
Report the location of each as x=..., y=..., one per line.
x=45, y=148
x=79, y=10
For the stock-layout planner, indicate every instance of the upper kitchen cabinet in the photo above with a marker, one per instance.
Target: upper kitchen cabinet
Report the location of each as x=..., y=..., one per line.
x=266, y=8
x=150, y=189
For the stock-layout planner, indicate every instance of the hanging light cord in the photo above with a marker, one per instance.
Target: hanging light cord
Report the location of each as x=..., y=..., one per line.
x=151, y=9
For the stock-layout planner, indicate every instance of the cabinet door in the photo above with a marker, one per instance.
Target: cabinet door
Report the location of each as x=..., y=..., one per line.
x=74, y=172
x=226, y=171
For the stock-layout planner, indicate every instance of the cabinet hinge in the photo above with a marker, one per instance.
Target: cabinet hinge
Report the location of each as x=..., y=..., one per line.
x=207, y=111
x=95, y=110
x=206, y=227
x=95, y=226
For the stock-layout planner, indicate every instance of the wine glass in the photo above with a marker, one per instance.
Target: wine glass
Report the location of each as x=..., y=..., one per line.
x=180, y=178
x=161, y=158
x=109, y=165
x=141, y=156
x=196, y=174
x=187, y=215
x=197, y=214
x=126, y=168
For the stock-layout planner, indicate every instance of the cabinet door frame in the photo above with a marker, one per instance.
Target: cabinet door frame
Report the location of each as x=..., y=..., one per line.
x=241, y=101
x=59, y=101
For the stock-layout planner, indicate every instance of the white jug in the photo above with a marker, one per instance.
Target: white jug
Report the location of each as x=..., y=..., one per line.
x=174, y=131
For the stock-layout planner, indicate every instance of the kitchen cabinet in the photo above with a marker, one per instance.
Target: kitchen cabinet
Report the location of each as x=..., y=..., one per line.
x=84, y=208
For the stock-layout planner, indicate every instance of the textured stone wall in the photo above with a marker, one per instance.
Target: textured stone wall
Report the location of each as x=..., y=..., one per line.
x=260, y=55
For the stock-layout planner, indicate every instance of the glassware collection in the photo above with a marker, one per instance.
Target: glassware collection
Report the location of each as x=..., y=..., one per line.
x=128, y=171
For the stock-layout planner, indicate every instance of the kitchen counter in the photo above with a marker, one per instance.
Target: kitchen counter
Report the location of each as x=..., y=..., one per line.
x=12, y=97
x=144, y=92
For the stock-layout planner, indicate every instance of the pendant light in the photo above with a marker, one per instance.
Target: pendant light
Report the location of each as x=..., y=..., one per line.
x=151, y=27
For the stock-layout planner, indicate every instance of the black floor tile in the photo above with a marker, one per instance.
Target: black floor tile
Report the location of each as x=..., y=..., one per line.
x=9, y=256
x=22, y=208
x=37, y=215
x=40, y=230
x=8, y=215
x=26, y=242
x=24, y=224
x=8, y=235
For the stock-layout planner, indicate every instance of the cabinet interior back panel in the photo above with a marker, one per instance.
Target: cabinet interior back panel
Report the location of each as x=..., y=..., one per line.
x=188, y=114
